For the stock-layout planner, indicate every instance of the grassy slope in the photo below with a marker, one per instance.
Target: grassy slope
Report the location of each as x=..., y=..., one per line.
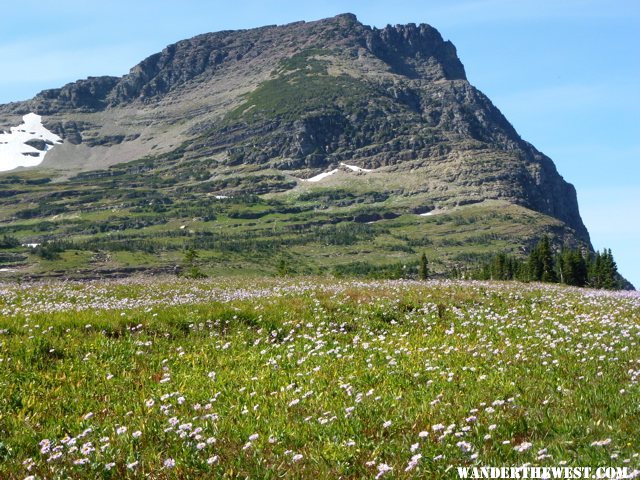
x=346, y=375
x=128, y=220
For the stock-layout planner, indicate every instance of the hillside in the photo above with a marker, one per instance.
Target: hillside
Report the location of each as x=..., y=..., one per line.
x=330, y=146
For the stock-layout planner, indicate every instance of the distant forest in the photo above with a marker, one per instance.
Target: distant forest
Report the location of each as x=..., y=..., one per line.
x=569, y=266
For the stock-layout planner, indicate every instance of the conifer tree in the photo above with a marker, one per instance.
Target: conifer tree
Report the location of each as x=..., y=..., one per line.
x=572, y=267
x=535, y=265
x=190, y=266
x=541, y=262
x=423, y=271
x=609, y=271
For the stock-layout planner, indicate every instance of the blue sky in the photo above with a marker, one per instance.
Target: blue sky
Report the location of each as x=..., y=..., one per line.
x=565, y=73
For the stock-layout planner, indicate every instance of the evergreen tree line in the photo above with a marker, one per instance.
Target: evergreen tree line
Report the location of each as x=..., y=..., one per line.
x=569, y=266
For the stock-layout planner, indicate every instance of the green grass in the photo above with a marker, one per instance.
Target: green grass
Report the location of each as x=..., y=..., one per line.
x=334, y=378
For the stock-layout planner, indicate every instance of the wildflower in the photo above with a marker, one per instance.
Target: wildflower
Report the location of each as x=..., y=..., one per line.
x=423, y=434
x=253, y=437
x=45, y=445
x=524, y=446
x=136, y=434
x=109, y=466
x=413, y=462
x=88, y=416
x=53, y=457
x=132, y=465
x=212, y=460
x=87, y=448
x=169, y=463
x=601, y=443
x=386, y=424
x=201, y=445
x=150, y=403
x=297, y=457
x=464, y=446
x=121, y=430
x=383, y=468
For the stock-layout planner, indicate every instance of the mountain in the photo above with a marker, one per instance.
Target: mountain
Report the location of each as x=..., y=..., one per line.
x=330, y=145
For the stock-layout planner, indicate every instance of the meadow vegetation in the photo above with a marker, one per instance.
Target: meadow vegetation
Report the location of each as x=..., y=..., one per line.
x=313, y=378
x=121, y=221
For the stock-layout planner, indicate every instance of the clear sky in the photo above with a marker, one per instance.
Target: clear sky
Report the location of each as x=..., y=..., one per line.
x=566, y=73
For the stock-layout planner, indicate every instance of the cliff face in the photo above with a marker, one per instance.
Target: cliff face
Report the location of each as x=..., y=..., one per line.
x=303, y=99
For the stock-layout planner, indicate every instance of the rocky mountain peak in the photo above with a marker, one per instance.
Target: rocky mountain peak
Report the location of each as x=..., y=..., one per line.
x=302, y=99
x=416, y=51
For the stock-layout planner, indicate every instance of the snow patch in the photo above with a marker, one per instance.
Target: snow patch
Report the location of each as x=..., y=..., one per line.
x=432, y=212
x=320, y=176
x=353, y=168
x=14, y=150
x=324, y=175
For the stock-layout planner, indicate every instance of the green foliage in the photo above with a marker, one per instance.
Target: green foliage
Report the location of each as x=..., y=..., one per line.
x=283, y=267
x=50, y=250
x=305, y=61
x=42, y=210
x=503, y=267
x=291, y=96
x=371, y=270
x=569, y=266
x=190, y=267
x=423, y=272
x=603, y=271
x=541, y=262
x=573, y=268
x=8, y=241
x=302, y=85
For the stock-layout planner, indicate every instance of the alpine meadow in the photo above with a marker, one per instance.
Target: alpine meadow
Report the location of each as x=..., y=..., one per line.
x=310, y=250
